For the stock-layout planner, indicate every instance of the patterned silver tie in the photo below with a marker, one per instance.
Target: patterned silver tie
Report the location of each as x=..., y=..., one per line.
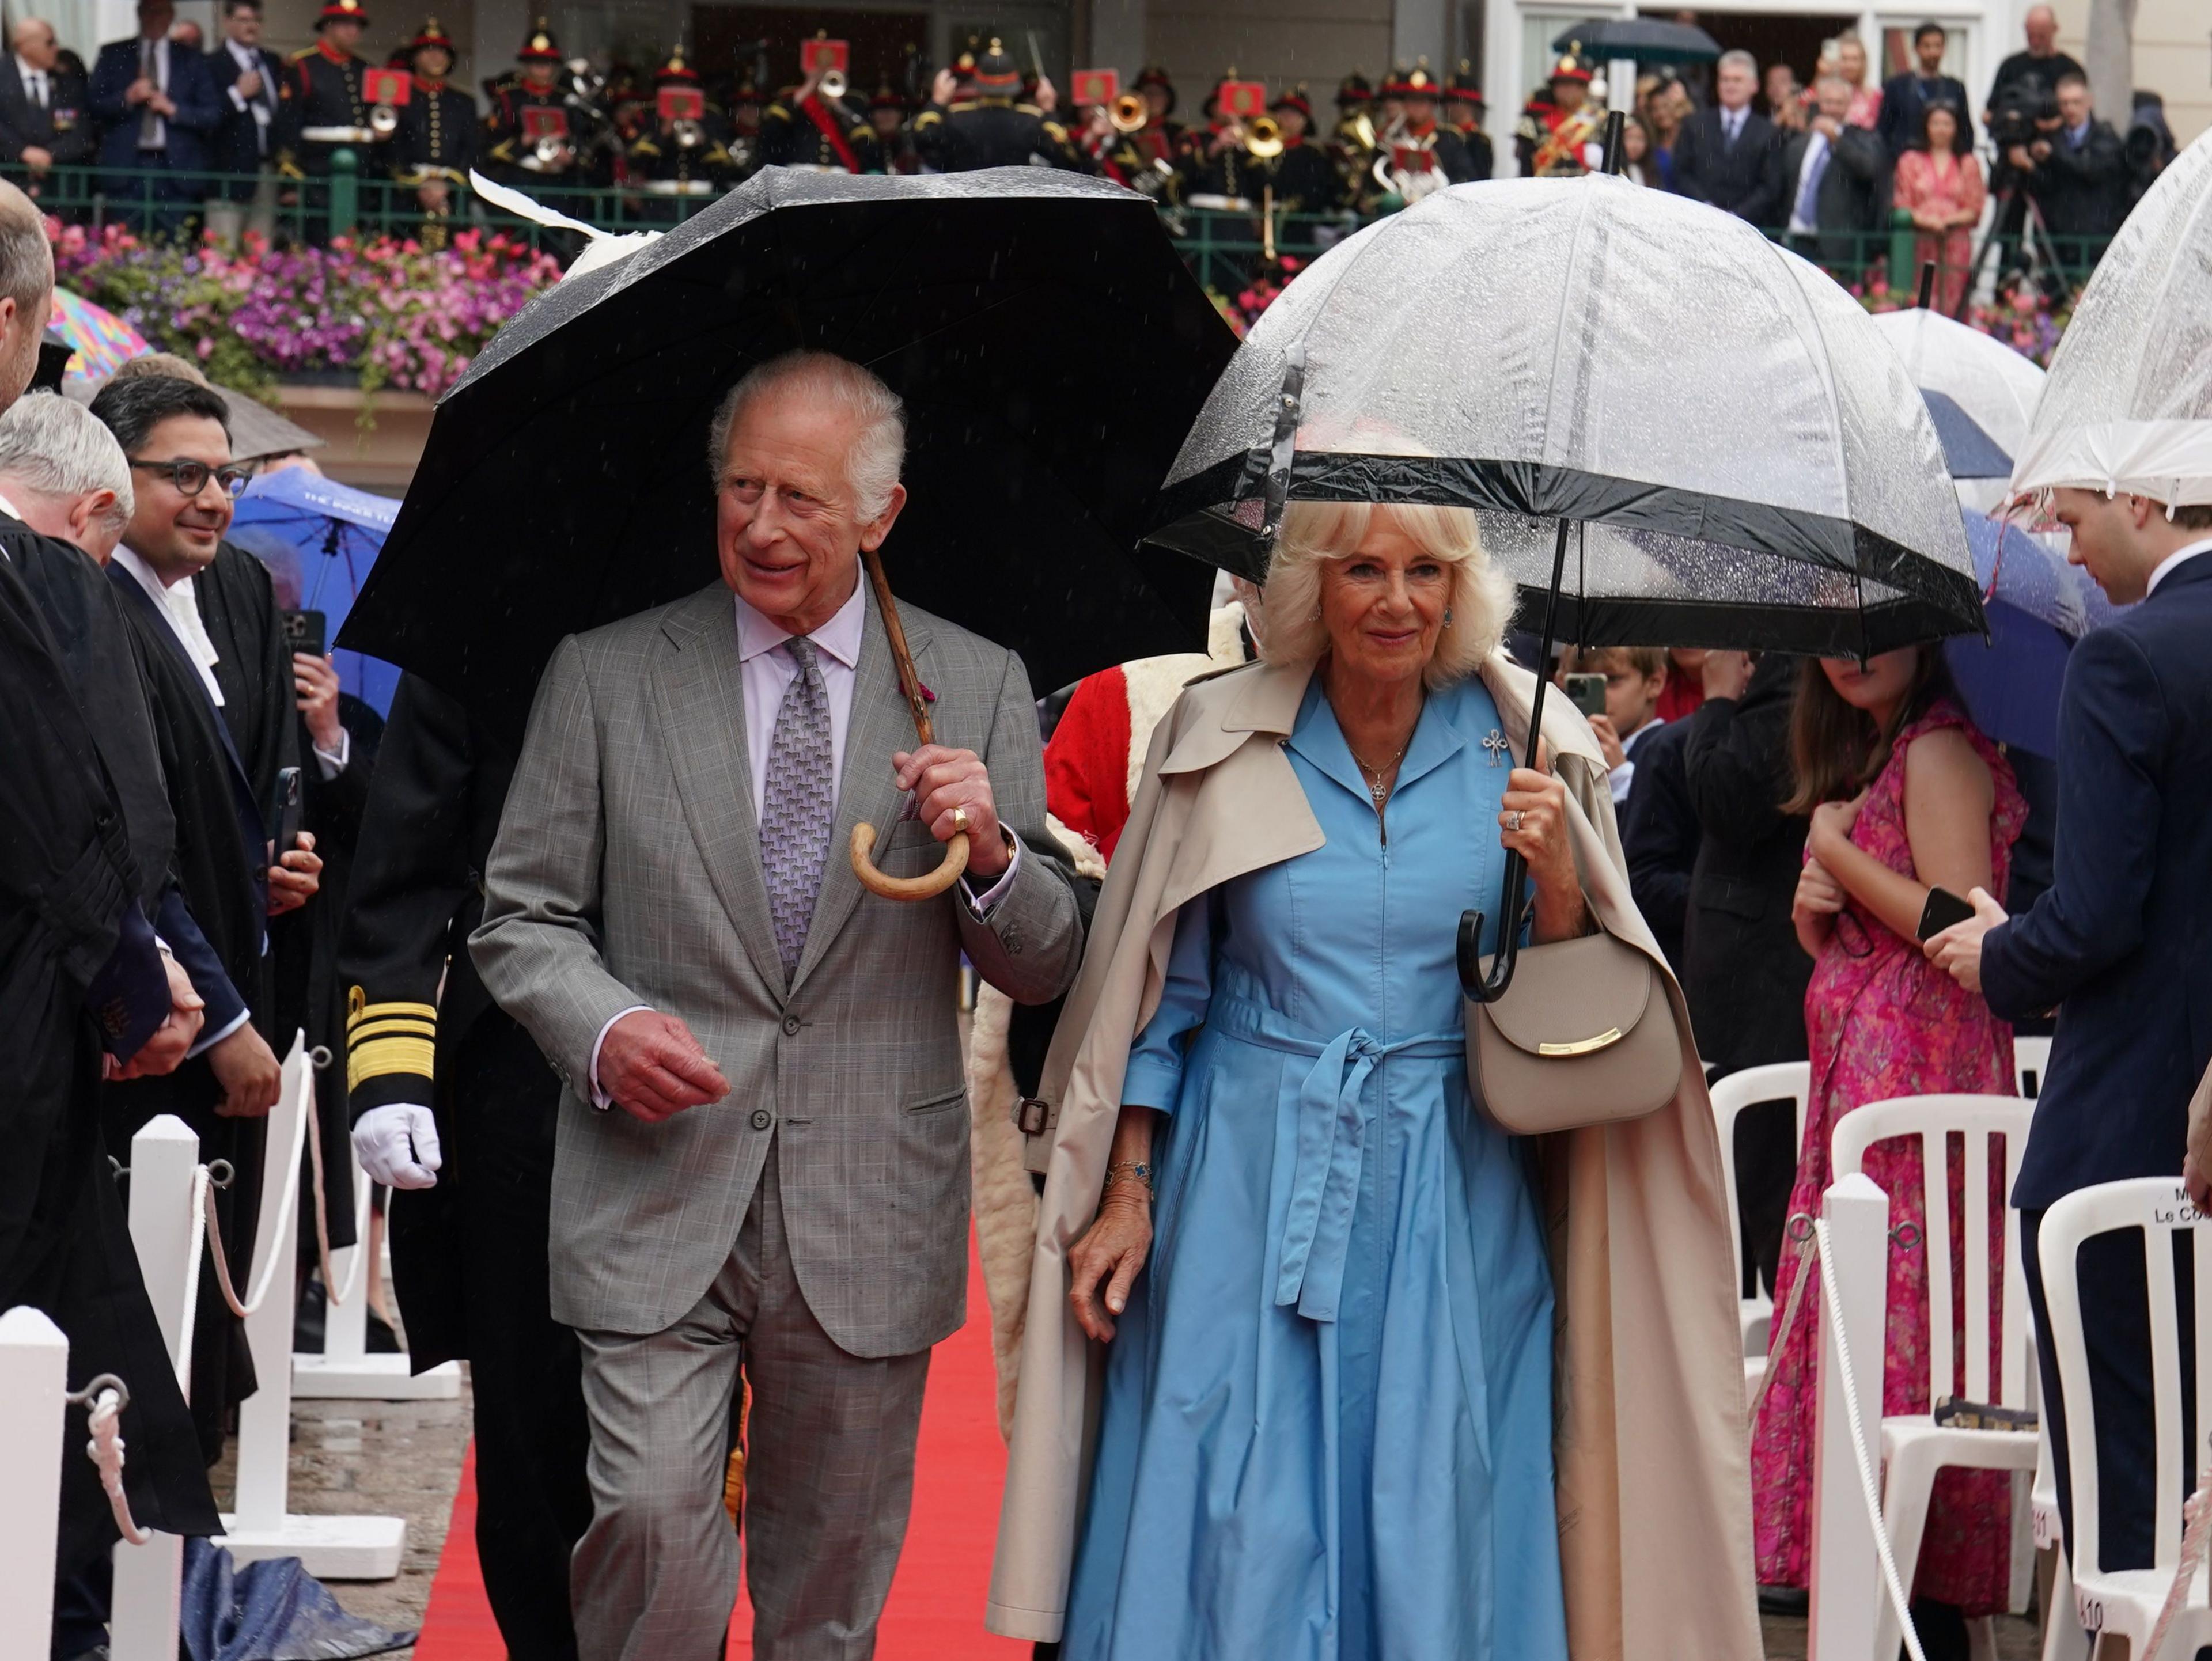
x=797, y=803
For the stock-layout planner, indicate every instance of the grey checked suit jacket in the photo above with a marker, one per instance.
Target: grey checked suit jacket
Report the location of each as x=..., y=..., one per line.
x=628, y=871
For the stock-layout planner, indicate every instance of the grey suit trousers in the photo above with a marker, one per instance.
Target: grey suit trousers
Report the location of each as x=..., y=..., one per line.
x=829, y=1476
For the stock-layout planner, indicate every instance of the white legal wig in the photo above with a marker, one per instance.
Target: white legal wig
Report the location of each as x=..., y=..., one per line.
x=54, y=447
x=1480, y=609
x=872, y=468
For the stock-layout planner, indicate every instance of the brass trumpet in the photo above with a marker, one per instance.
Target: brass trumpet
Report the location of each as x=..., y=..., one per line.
x=1128, y=113
x=1362, y=130
x=1263, y=137
x=384, y=121
x=832, y=85
x=688, y=134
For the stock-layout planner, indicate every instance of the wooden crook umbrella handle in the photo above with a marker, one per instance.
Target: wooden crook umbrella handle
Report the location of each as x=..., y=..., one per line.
x=864, y=836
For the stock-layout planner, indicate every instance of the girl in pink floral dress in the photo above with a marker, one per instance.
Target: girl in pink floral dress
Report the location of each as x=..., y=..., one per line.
x=1904, y=794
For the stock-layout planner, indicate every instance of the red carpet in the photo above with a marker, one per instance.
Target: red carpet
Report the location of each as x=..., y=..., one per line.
x=936, y=1607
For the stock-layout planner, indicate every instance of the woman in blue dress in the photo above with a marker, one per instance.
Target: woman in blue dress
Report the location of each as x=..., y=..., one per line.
x=1326, y=1433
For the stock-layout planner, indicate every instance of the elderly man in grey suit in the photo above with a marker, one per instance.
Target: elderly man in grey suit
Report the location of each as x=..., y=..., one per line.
x=761, y=1163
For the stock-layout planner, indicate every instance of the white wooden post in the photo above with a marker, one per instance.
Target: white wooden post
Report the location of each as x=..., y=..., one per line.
x=33, y=1378
x=345, y=1370
x=144, y=1611
x=331, y=1548
x=1847, y=1588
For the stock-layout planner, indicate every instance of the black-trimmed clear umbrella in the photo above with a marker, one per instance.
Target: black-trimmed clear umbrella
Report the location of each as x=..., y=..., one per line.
x=1672, y=432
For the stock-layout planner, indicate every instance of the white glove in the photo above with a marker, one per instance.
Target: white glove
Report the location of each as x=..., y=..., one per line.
x=397, y=1145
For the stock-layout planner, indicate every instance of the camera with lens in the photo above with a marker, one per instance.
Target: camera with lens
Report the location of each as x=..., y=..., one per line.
x=2020, y=112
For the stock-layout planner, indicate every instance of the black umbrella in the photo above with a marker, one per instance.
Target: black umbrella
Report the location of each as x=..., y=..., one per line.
x=1646, y=39
x=1050, y=344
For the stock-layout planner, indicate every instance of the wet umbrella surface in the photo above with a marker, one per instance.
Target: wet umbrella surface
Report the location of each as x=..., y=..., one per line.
x=1052, y=349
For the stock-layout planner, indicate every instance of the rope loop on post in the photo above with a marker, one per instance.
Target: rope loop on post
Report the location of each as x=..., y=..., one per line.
x=106, y=1396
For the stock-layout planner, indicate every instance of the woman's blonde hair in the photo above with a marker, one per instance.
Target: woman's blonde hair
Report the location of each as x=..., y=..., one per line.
x=1477, y=613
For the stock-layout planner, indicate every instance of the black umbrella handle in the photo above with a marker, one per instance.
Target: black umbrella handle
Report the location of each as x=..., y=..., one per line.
x=1490, y=988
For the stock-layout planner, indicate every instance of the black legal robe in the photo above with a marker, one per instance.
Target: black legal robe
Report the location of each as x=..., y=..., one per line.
x=67, y=874
x=219, y=863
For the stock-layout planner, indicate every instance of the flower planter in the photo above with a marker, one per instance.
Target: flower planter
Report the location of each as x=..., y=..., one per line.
x=379, y=453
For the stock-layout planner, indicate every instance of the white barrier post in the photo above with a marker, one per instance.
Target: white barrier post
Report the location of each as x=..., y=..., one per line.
x=345, y=1370
x=144, y=1611
x=1847, y=1587
x=331, y=1548
x=33, y=1378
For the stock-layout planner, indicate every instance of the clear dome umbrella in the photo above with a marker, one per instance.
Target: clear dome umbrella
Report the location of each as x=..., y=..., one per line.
x=1673, y=433
x=2128, y=404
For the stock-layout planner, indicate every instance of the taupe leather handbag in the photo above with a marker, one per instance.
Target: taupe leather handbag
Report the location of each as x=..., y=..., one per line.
x=1584, y=1035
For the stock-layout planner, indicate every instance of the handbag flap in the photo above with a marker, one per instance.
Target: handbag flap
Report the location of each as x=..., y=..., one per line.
x=1574, y=997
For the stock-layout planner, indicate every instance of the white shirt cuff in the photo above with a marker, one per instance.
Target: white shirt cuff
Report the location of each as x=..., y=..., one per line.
x=333, y=765
x=235, y=99
x=600, y=1099
x=208, y=1040
x=1620, y=778
x=981, y=905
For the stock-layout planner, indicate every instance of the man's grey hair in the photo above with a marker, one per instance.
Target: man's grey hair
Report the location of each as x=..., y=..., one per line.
x=27, y=259
x=872, y=469
x=1741, y=59
x=53, y=447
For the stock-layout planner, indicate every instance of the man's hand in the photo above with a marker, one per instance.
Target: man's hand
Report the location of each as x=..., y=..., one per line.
x=1047, y=97
x=945, y=88
x=249, y=1072
x=1727, y=674
x=296, y=877
x=316, y=680
x=2018, y=156
x=652, y=1067
x=432, y=196
x=945, y=781
x=1828, y=127
x=37, y=158
x=397, y=1145
x=1608, y=741
x=138, y=91
x=248, y=86
x=161, y=1054
x=162, y=104
x=2192, y=1179
x=1958, y=949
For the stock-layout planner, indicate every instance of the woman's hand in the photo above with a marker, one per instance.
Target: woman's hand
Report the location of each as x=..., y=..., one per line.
x=1116, y=1245
x=1818, y=894
x=1832, y=822
x=1533, y=823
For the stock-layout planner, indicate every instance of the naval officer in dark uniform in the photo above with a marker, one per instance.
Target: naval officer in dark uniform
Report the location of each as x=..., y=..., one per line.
x=329, y=113
x=454, y=1107
x=989, y=128
x=436, y=144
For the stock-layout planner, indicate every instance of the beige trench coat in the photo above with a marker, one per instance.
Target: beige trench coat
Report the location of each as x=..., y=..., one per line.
x=1654, y=1490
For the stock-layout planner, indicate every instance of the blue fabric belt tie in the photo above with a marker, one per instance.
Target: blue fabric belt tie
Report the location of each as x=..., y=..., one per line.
x=1332, y=1122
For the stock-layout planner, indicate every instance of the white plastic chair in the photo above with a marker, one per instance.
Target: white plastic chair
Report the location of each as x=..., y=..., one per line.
x=1914, y=1447
x=2062, y=1638
x=1787, y=1081
x=2031, y=1064
x=2126, y=1601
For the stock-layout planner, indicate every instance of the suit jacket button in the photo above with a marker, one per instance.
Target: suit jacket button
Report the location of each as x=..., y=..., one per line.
x=762, y=1118
x=790, y=1025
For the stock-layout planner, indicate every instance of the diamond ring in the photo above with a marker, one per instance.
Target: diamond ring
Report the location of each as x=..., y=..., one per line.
x=1513, y=821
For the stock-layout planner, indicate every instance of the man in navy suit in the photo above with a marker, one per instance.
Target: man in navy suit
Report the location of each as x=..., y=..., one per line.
x=157, y=108
x=1730, y=155
x=1905, y=98
x=2120, y=943
x=255, y=128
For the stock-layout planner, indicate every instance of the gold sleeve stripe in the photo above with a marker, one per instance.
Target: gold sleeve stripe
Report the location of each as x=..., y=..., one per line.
x=407, y=1028
x=358, y=1010
x=390, y=1055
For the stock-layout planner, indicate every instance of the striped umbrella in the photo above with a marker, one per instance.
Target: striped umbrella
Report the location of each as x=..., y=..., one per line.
x=103, y=340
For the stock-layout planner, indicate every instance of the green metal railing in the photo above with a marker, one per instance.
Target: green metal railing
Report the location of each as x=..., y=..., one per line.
x=1227, y=248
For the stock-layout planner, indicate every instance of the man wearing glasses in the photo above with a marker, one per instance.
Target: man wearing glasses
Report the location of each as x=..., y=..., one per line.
x=212, y=638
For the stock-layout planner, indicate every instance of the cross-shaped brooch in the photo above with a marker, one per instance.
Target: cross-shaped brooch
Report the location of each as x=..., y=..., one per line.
x=1497, y=746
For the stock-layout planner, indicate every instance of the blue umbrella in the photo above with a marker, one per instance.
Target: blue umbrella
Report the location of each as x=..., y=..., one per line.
x=1969, y=452
x=2037, y=606
x=327, y=535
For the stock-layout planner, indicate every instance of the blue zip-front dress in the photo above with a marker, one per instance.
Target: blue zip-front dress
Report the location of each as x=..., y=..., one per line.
x=1327, y=1426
